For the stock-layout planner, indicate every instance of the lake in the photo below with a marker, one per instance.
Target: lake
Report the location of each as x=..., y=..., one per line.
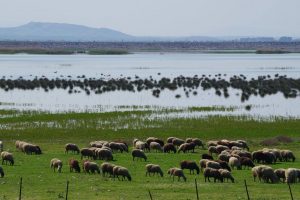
x=144, y=65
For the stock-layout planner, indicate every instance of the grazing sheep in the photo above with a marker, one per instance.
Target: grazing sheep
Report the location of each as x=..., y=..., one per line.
x=212, y=149
x=137, y=153
x=177, y=172
x=177, y=142
x=121, y=171
x=225, y=174
x=123, y=144
x=105, y=154
x=1, y=146
x=207, y=156
x=186, y=147
x=141, y=145
x=1, y=172
x=170, y=139
x=257, y=171
x=196, y=141
x=7, y=157
x=212, y=143
x=221, y=148
x=107, y=168
x=91, y=167
x=224, y=165
x=235, y=163
x=71, y=147
x=153, y=169
x=87, y=152
x=191, y=165
x=155, y=146
x=213, y=165
x=214, y=173
x=224, y=157
x=269, y=175
x=202, y=164
x=153, y=139
x=116, y=146
x=287, y=155
x=74, y=165
x=243, y=154
x=55, y=163
x=291, y=175
x=246, y=162
x=97, y=144
x=31, y=149
x=280, y=174
x=169, y=147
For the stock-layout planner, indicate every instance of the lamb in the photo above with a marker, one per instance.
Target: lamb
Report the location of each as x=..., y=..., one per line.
x=225, y=174
x=55, y=163
x=212, y=149
x=137, y=153
x=191, y=165
x=153, y=169
x=207, y=156
x=87, y=152
x=196, y=141
x=185, y=147
x=121, y=171
x=177, y=172
x=74, y=165
x=177, y=142
x=235, y=163
x=91, y=167
x=7, y=157
x=246, y=162
x=71, y=147
x=107, y=168
x=214, y=173
x=287, y=155
x=1, y=172
x=291, y=175
x=105, y=154
x=155, y=146
x=280, y=174
x=169, y=147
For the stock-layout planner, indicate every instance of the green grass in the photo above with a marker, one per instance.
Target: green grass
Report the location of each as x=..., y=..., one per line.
x=52, y=131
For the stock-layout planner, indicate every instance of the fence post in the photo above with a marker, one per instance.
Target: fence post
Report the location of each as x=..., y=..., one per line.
x=20, y=191
x=196, y=189
x=150, y=194
x=67, y=190
x=291, y=191
x=247, y=189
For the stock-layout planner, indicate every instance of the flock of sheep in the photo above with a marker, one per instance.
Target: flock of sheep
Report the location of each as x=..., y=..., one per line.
x=231, y=155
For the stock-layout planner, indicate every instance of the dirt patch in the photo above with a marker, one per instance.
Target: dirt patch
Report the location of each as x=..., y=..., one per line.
x=276, y=140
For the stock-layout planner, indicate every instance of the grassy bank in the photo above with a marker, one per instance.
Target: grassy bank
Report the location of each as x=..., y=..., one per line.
x=52, y=131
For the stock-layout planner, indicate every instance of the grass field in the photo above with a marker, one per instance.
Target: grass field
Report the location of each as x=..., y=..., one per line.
x=52, y=131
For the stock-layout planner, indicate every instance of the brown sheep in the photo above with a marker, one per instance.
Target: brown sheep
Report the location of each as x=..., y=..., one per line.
x=121, y=171
x=191, y=165
x=74, y=165
x=55, y=163
x=154, y=139
x=170, y=139
x=214, y=173
x=246, y=162
x=87, y=152
x=287, y=155
x=177, y=142
x=169, y=147
x=177, y=172
x=91, y=167
x=137, y=153
x=221, y=148
x=107, y=168
x=280, y=174
x=7, y=157
x=105, y=154
x=206, y=156
x=196, y=141
x=213, y=165
x=1, y=172
x=116, y=146
x=153, y=169
x=156, y=146
x=269, y=175
x=225, y=174
x=212, y=149
x=291, y=175
x=71, y=147
x=186, y=147
x=31, y=149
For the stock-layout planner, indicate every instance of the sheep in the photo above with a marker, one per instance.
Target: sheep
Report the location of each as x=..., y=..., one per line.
x=185, y=147
x=244, y=144
x=246, y=162
x=214, y=173
x=55, y=163
x=137, y=153
x=87, y=152
x=269, y=175
x=225, y=174
x=105, y=154
x=155, y=146
x=141, y=145
x=121, y=171
x=74, y=165
x=207, y=156
x=98, y=144
x=170, y=139
x=202, y=163
x=224, y=165
x=1, y=172
x=153, y=169
x=71, y=147
x=30, y=149
x=212, y=149
x=196, y=141
x=1, y=146
x=177, y=172
x=124, y=146
x=7, y=157
x=234, y=163
x=280, y=174
x=287, y=155
x=191, y=165
x=213, y=165
x=224, y=157
x=211, y=143
x=153, y=139
x=116, y=147
x=177, y=142
x=169, y=147
x=107, y=168
x=291, y=175
x=91, y=167
x=243, y=154
x=221, y=148
x=263, y=156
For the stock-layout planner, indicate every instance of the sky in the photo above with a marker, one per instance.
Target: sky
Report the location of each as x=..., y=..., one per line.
x=163, y=17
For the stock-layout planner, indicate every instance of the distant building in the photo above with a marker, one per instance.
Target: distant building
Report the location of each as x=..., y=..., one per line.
x=257, y=39
x=285, y=39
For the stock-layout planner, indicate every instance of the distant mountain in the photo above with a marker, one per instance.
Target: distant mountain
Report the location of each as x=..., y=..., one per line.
x=37, y=31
